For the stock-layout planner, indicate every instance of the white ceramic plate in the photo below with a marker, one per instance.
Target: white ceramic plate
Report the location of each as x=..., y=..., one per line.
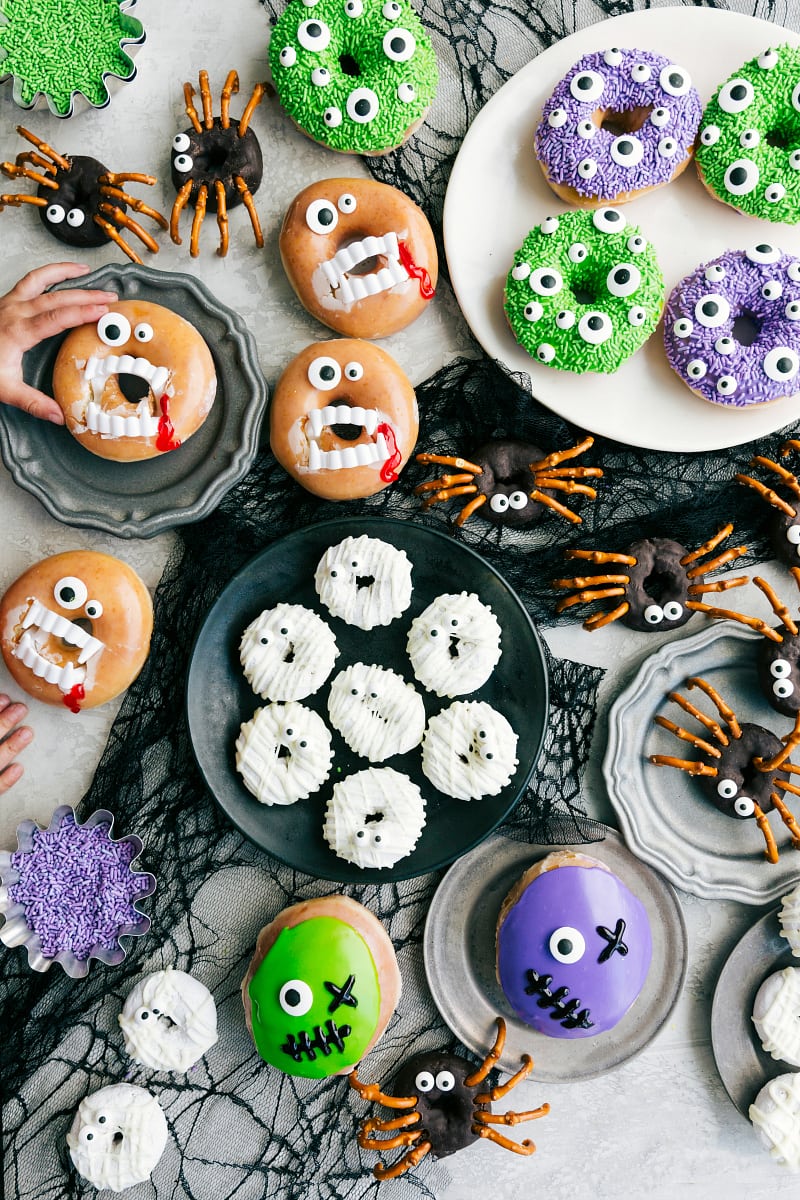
x=459, y=950
x=497, y=193
x=664, y=816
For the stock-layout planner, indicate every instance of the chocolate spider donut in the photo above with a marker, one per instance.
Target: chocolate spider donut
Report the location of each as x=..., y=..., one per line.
x=738, y=785
x=748, y=155
x=585, y=291
x=371, y=69
x=621, y=123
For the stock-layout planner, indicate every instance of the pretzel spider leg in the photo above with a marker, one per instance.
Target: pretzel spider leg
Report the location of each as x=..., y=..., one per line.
x=412, y=1159
x=249, y=204
x=771, y=849
x=118, y=217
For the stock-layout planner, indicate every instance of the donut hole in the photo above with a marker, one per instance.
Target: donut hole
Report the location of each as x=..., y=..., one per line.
x=118, y=1139
x=780, y=139
x=347, y=433
x=349, y=65
x=454, y=645
x=133, y=387
x=659, y=586
x=373, y=818
x=746, y=328
x=618, y=122
x=585, y=290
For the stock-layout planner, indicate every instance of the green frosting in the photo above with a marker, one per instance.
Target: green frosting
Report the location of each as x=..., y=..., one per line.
x=315, y=999
x=585, y=291
x=748, y=154
x=400, y=85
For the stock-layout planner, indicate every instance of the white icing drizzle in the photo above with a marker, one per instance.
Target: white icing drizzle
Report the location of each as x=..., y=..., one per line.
x=374, y=818
x=100, y=1154
x=775, y=1115
x=284, y=753
x=364, y=581
x=454, y=645
x=469, y=750
x=186, y=1032
x=776, y=1015
x=287, y=652
x=789, y=917
x=377, y=713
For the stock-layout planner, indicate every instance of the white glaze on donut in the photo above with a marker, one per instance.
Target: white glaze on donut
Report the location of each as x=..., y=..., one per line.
x=117, y=1137
x=169, y=1021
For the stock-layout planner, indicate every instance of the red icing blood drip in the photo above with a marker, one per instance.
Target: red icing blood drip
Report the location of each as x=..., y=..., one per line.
x=165, y=439
x=426, y=288
x=74, y=696
x=388, y=472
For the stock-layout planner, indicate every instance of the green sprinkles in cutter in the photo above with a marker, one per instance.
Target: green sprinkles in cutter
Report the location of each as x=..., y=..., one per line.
x=355, y=75
x=748, y=155
x=585, y=291
x=60, y=47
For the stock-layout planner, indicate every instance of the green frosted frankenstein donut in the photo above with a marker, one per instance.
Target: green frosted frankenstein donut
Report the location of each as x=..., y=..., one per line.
x=356, y=75
x=585, y=291
x=748, y=155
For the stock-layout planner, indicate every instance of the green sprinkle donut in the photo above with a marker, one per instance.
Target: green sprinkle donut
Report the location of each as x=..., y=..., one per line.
x=585, y=291
x=356, y=75
x=748, y=154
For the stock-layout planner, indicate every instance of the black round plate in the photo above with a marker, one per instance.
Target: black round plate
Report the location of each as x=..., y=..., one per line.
x=219, y=698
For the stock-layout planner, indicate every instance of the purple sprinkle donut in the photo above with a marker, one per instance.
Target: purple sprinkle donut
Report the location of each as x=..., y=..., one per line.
x=620, y=123
x=732, y=327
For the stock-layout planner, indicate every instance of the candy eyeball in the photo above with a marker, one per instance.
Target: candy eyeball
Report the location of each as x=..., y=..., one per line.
x=546, y=281
x=741, y=177
x=683, y=327
x=653, y=614
x=623, y=280
x=712, y=310
x=557, y=118
x=714, y=272
x=55, y=213
x=587, y=86
x=608, y=220
x=659, y=117
x=710, y=135
x=749, y=139
x=577, y=252
x=627, y=150
x=567, y=945
x=595, y=328
x=675, y=81
x=774, y=193
x=736, y=95
x=781, y=363
x=533, y=311
x=587, y=168
x=321, y=216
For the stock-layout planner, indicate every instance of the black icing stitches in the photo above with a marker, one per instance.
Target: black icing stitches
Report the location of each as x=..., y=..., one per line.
x=568, y=1013
x=333, y=1035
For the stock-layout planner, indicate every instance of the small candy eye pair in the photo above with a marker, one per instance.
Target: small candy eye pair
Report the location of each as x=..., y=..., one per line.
x=743, y=806
x=322, y=215
x=654, y=614
x=325, y=373
x=115, y=330
x=444, y=1081
x=71, y=593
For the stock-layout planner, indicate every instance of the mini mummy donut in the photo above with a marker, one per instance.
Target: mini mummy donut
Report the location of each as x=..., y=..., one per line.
x=748, y=154
x=75, y=628
x=454, y=645
x=287, y=652
x=343, y=420
x=117, y=1137
x=284, y=753
x=621, y=123
x=776, y=1015
x=360, y=255
x=364, y=581
x=775, y=1114
x=135, y=385
x=356, y=75
x=789, y=919
x=585, y=291
x=377, y=713
x=169, y=1021
x=469, y=750
x=760, y=286
x=374, y=818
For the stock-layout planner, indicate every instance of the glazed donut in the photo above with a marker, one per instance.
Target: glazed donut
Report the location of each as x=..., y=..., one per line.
x=585, y=291
x=117, y=1137
x=621, y=123
x=760, y=287
x=371, y=68
x=374, y=818
x=360, y=255
x=748, y=154
x=343, y=419
x=75, y=628
x=136, y=384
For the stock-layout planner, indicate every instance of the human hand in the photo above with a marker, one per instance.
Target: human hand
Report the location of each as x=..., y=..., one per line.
x=13, y=738
x=28, y=313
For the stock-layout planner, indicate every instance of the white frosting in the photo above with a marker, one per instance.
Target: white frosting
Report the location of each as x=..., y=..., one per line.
x=789, y=917
x=117, y=1137
x=469, y=750
x=364, y=581
x=284, y=753
x=377, y=713
x=287, y=653
x=374, y=818
x=454, y=645
x=776, y=1015
x=775, y=1113
x=168, y=1021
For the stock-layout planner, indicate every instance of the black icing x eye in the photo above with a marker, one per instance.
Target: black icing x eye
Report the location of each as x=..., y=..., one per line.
x=399, y=45
x=113, y=329
x=70, y=592
x=296, y=997
x=567, y=944
x=321, y=216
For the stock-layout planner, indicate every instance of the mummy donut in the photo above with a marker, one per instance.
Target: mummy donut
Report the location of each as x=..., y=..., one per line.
x=776, y=1015
x=377, y=713
x=748, y=153
x=759, y=288
x=357, y=76
x=169, y=1021
x=360, y=255
x=287, y=652
x=454, y=645
x=117, y=1137
x=364, y=581
x=775, y=1115
x=75, y=628
x=469, y=750
x=343, y=419
x=374, y=818
x=135, y=385
x=789, y=919
x=585, y=291
x=284, y=753
x=621, y=123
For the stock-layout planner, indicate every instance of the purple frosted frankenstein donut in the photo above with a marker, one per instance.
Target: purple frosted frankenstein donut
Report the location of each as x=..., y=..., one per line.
x=620, y=123
x=732, y=327
x=573, y=946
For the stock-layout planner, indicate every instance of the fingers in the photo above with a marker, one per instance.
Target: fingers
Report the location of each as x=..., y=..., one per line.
x=51, y=301
x=15, y=737
x=38, y=280
x=21, y=395
x=60, y=316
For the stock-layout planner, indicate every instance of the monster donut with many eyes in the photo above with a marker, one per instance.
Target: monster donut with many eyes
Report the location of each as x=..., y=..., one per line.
x=469, y=750
x=321, y=987
x=364, y=581
x=117, y=1137
x=573, y=946
x=284, y=753
x=287, y=652
x=454, y=644
x=168, y=1021
x=136, y=384
x=75, y=628
x=374, y=818
x=377, y=713
x=343, y=419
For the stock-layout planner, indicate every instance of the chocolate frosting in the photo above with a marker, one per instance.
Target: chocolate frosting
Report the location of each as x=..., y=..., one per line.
x=78, y=188
x=446, y=1116
x=222, y=154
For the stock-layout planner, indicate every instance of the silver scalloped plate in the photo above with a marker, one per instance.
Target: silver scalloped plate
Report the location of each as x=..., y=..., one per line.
x=664, y=816
x=459, y=949
x=141, y=499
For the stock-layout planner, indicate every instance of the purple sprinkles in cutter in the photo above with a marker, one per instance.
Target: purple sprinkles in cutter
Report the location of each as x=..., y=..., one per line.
x=732, y=327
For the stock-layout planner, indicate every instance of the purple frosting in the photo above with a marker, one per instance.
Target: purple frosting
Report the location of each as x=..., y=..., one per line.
x=618, y=81
x=758, y=288
x=573, y=952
